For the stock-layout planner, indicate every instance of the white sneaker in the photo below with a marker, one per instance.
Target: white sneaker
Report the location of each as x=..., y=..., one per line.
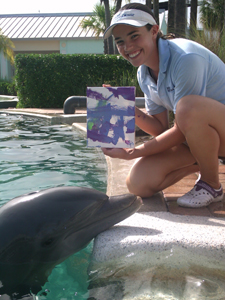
x=201, y=195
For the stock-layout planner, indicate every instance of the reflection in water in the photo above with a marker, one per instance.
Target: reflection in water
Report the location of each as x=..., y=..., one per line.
x=145, y=276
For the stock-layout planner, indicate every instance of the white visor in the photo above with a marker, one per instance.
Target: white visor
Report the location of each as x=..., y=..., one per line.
x=133, y=17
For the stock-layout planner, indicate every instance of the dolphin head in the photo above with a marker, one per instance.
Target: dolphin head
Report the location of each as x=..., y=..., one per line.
x=41, y=229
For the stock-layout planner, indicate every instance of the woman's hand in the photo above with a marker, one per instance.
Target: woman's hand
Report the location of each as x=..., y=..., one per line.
x=118, y=153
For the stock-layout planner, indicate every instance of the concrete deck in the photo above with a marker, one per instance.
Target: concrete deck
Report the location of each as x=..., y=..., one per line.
x=160, y=233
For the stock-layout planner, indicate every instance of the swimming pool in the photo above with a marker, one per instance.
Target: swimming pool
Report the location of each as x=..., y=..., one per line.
x=150, y=264
x=37, y=155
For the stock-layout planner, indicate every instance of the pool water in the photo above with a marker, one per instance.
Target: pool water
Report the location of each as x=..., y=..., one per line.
x=174, y=274
x=69, y=280
x=36, y=155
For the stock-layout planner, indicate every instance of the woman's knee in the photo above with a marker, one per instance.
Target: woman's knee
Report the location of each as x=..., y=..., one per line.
x=139, y=180
x=187, y=111
x=134, y=187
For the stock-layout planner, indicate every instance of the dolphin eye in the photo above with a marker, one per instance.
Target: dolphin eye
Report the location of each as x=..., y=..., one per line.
x=47, y=242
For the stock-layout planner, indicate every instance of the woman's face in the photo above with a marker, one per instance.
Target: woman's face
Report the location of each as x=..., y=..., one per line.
x=137, y=44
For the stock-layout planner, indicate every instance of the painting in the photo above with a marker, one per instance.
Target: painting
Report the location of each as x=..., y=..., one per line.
x=111, y=117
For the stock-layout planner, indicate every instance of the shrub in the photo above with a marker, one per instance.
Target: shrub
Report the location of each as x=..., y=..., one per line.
x=45, y=81
x=212, y=39
x=7, y=88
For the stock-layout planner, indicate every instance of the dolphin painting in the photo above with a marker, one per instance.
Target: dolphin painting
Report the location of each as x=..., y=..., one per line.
x=41, y=229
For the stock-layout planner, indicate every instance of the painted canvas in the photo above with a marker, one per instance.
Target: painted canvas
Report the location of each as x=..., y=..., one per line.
x=111, y=117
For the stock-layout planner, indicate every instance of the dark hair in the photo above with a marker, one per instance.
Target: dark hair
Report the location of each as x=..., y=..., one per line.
x=146, y=9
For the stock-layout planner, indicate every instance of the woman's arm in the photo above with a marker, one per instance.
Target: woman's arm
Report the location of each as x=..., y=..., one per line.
x=162, y=142
x=153, y=125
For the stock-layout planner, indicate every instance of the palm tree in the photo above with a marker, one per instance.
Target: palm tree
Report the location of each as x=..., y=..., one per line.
x=149, y=3
x=213, y=35
x=156, y=10
x=193, y=16
x=6, y=46
x=180, y=17
x=171, y=16
x=177, y=17
x=213, y=14
x=213, y=17
x=107, y=22
x=118, y=5
x=97, y=23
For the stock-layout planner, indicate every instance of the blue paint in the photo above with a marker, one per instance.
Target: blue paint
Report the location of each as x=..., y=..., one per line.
x=130, y=126
x=126, y=93
x=99, y=137
x=103, y=130
x=118, y=131
x=109, y=111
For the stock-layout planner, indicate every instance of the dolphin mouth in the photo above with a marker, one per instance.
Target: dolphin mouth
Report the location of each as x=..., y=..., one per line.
x=116, y=209
x=112, y=211
x=125, y=205
x=126, y=200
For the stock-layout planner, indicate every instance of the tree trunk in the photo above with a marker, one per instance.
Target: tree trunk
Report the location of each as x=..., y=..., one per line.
x=193, y=16
x=156, y=10
x=118, y=5
x=180, y=17
x=171, y=16
x=149, y=3
x=224, y=17
x=106, y=50
x=107, y=21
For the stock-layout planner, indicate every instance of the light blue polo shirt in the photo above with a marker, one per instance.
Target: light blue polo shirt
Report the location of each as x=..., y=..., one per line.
x=185, y=68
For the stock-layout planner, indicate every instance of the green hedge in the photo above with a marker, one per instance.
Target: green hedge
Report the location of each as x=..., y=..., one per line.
x=7, y=88
x=45, y=81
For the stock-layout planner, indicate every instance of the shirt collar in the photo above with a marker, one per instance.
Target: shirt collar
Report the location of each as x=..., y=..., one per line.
x=164, y=55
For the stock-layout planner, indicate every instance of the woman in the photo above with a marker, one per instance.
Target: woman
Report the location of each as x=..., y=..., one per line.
x=182, y=76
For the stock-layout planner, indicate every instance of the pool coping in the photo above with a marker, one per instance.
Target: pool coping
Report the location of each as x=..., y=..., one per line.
x=201, y=234
x=54, y=118
x=154, y=229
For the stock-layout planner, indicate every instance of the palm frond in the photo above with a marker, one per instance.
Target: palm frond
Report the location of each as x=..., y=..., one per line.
x=97, y=21
x=6, y=45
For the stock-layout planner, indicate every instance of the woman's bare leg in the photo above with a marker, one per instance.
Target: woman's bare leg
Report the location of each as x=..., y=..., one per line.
x=154, y=173
x=202, y=121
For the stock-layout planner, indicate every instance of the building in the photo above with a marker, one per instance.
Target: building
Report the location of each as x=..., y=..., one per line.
x=48, y=33
x=51, y=33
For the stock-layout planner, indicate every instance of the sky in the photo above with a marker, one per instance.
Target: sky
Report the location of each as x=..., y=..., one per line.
x=49, y=6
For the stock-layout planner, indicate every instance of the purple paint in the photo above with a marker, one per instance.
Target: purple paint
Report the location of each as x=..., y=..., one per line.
x=111, y=120
x=128, y=94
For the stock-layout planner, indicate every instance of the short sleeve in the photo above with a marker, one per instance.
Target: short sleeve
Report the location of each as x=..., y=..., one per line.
x=190, y=76
x=152, y=108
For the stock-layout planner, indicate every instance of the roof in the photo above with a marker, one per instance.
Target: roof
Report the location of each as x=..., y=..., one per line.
x=45, y=26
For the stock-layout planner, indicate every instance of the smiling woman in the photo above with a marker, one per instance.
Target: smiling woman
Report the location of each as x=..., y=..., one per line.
x=138, y=46
x=176, y=75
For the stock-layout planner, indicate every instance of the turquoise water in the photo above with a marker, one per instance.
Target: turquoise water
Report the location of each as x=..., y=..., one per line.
x=36, y=155
x=69, y=280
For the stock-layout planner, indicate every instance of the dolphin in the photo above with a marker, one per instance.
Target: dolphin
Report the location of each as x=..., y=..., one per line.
x=41, y=229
